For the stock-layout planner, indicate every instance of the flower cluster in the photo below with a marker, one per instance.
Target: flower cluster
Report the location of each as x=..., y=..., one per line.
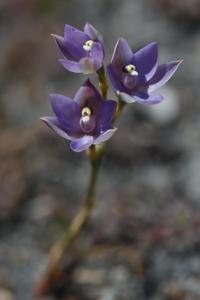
x=87, y=119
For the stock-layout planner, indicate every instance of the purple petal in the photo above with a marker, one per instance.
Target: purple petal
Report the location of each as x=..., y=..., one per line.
x=122, y=52
x=71, y=66
x=147, y=60
x=126, y=97
x=105, y=136
x=145, y=98
x=106, y=114
x=97, y=54
x=75, y=39
x=62, y=46
x=67, y=111
x=115, y=79
x=54, y=124
x=121, y=56
x=82, y=144
x=92, y=32
x=163, y=74
x=87, y=92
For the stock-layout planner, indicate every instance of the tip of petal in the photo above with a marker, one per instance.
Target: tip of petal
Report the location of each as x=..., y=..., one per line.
x=87, y=24
x=52, y=95
x=121, y=39
x=43, y=119
x=55, y=36
x=179, y=61
x=154, y=43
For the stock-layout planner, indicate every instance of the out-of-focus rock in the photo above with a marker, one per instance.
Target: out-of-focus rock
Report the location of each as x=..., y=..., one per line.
x=168, y=110
x=13, y=173
x=6, y=294
x=190, y=177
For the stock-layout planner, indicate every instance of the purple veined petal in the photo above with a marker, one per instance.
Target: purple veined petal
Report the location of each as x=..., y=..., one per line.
x=54, y=124
x=97, y=54
x=106, y=114
x=126, y=97
x=82, y=144
x=163, y=74
x=92, y=32
x=62, y=46
x=71, y=66
x=147, y=60
x=75, y=39
x=148, y=99
x=87, y=92
x=68, y=113
x=104, y=136
x=115, y=79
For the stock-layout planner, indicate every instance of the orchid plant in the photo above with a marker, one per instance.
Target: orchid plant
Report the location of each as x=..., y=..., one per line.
x=87, y=120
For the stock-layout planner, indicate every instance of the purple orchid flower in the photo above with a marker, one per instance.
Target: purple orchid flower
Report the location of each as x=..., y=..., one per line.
x=136, y=75
x=83, y=50
x=85, y=121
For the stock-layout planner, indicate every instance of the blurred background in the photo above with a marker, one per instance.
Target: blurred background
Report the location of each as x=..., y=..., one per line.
x=143, y=241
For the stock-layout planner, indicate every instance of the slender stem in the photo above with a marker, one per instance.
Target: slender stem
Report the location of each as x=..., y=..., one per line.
x=120, y=106
x=103, y=84
x=78, y=223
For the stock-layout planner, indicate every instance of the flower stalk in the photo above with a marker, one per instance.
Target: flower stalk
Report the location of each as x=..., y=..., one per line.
x=54, y=269
x=103, y=84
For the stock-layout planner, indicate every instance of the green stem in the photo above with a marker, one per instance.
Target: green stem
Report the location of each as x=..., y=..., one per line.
x=120, y=106
x=78, y=223
x=103, y=84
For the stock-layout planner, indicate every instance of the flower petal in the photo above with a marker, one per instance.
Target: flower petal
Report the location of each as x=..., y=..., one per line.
x=87, y=65
x=145, y=98
x=75, y=39
x=105, y=136
x=126, y=97
x=117, y=84
x=62, y=46
x=147, y=60
x=85, y=92
x=82, y=144
x=54, y=124
x=97, y=54
x=163, y=74
x=67, y=111
x=106, y=114
x=71, y=66
x=92, y=32
x=122, y=53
